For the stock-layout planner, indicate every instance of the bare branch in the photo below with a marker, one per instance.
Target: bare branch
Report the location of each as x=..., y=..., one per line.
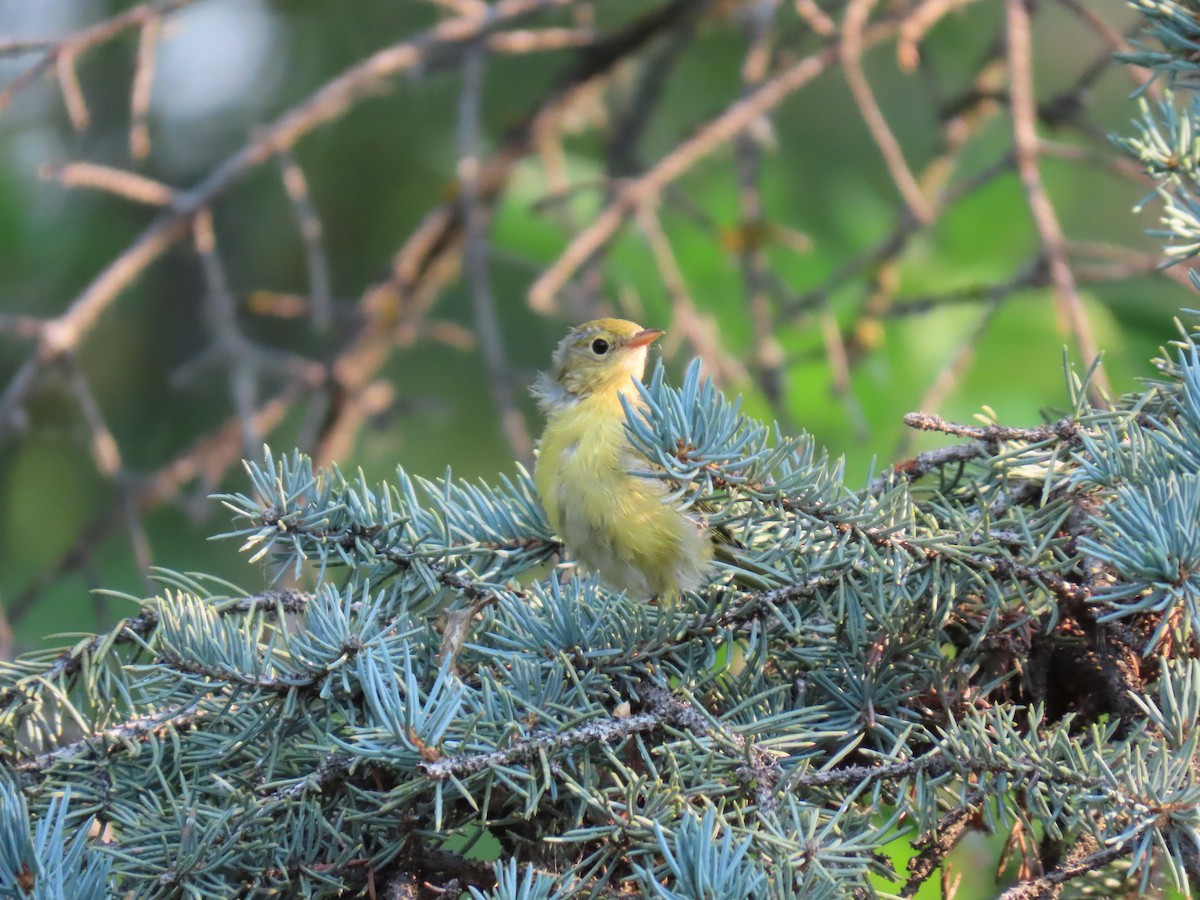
x=327, y=104
x=68, y=82
x=312, y=234
x=647, y=188
x=768, y=352
x=934, y=847
x=1025, y=141
x=816, y=18
x=857, y=14
x=662, y=709
x=928, y=461
x=956, y=366
x=204, y=462
x=79, y=42
x=230, y=344
x=1062, y=430
x=394, y=309
x=476, y=252
x=105, y=452
x=701, y=334
x=129, y=185
x=839, y=364
x=919, y=23
x=1044, y=887
x=143, y=79
x=136, y=730
x=539, y=40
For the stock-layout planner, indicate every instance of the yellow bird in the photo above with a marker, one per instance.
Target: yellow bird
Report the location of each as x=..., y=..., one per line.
x=619, y=525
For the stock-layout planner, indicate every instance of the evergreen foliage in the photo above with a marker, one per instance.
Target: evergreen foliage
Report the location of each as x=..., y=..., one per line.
x=40, y=861
x=1001, y=635
x=1165, y=143
x=997, y=637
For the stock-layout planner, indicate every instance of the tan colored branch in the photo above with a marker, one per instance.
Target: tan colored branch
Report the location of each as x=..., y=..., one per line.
x=1025, y=144
x=647, y=188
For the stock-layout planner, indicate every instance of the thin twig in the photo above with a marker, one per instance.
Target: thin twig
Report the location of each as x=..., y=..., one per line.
x=892, y=244
x=1044, y=887
x=1098, y=261
x=72, y=91
x=325, y=105
x=204, y=462
x=136, y=629
x=1106, y=160
x=1063, y=430
x=1025, y=144
x=143, y=80
x=139, y=538
x=519, y=41
x=622, y=159
x=768, y=351
x=312, y=234
x=838, y=356
x=816, y=18
x=1032, y=276
x=22, y=46
x=955, y=367
x=83, y=40
x=105, y=452
x=649, y=186
x=932, y=764
x=935, y=846
x=135, y=730
x=925, y=462
x=129, y=630
x=662, y=709
x=858, y=12
x=1116, y=43
x=476, y=257
x=118, y=182
x=393, y=309
x=228, y=340
x=919, y=23
x=605, y=730
x=684, y=315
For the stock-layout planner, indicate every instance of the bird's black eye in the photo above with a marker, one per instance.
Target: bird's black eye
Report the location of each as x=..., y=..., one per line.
x=599, y=346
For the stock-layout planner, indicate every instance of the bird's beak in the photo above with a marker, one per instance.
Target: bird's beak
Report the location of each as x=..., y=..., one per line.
x=644, y=338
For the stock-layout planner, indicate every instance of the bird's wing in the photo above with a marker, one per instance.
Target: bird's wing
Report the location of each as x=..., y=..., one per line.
x=747, y=572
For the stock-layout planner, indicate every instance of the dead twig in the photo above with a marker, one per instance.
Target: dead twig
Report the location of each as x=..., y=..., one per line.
x=1025, y=144
x=858, y=12
x=72, y=46
x=143, y=80
x=312, y=233
x=65, y=332
x=476, y=250
x=648, y=187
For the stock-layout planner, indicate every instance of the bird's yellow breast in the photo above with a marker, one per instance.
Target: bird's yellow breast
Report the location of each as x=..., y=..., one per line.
x=616, y=523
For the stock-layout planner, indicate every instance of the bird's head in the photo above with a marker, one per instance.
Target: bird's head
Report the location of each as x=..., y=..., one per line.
x=600, y=355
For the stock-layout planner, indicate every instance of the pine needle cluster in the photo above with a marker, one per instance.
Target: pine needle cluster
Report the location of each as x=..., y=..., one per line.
x=999, y=638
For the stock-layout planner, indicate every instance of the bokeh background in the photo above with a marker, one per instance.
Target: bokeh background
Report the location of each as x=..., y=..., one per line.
x=361, y=287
